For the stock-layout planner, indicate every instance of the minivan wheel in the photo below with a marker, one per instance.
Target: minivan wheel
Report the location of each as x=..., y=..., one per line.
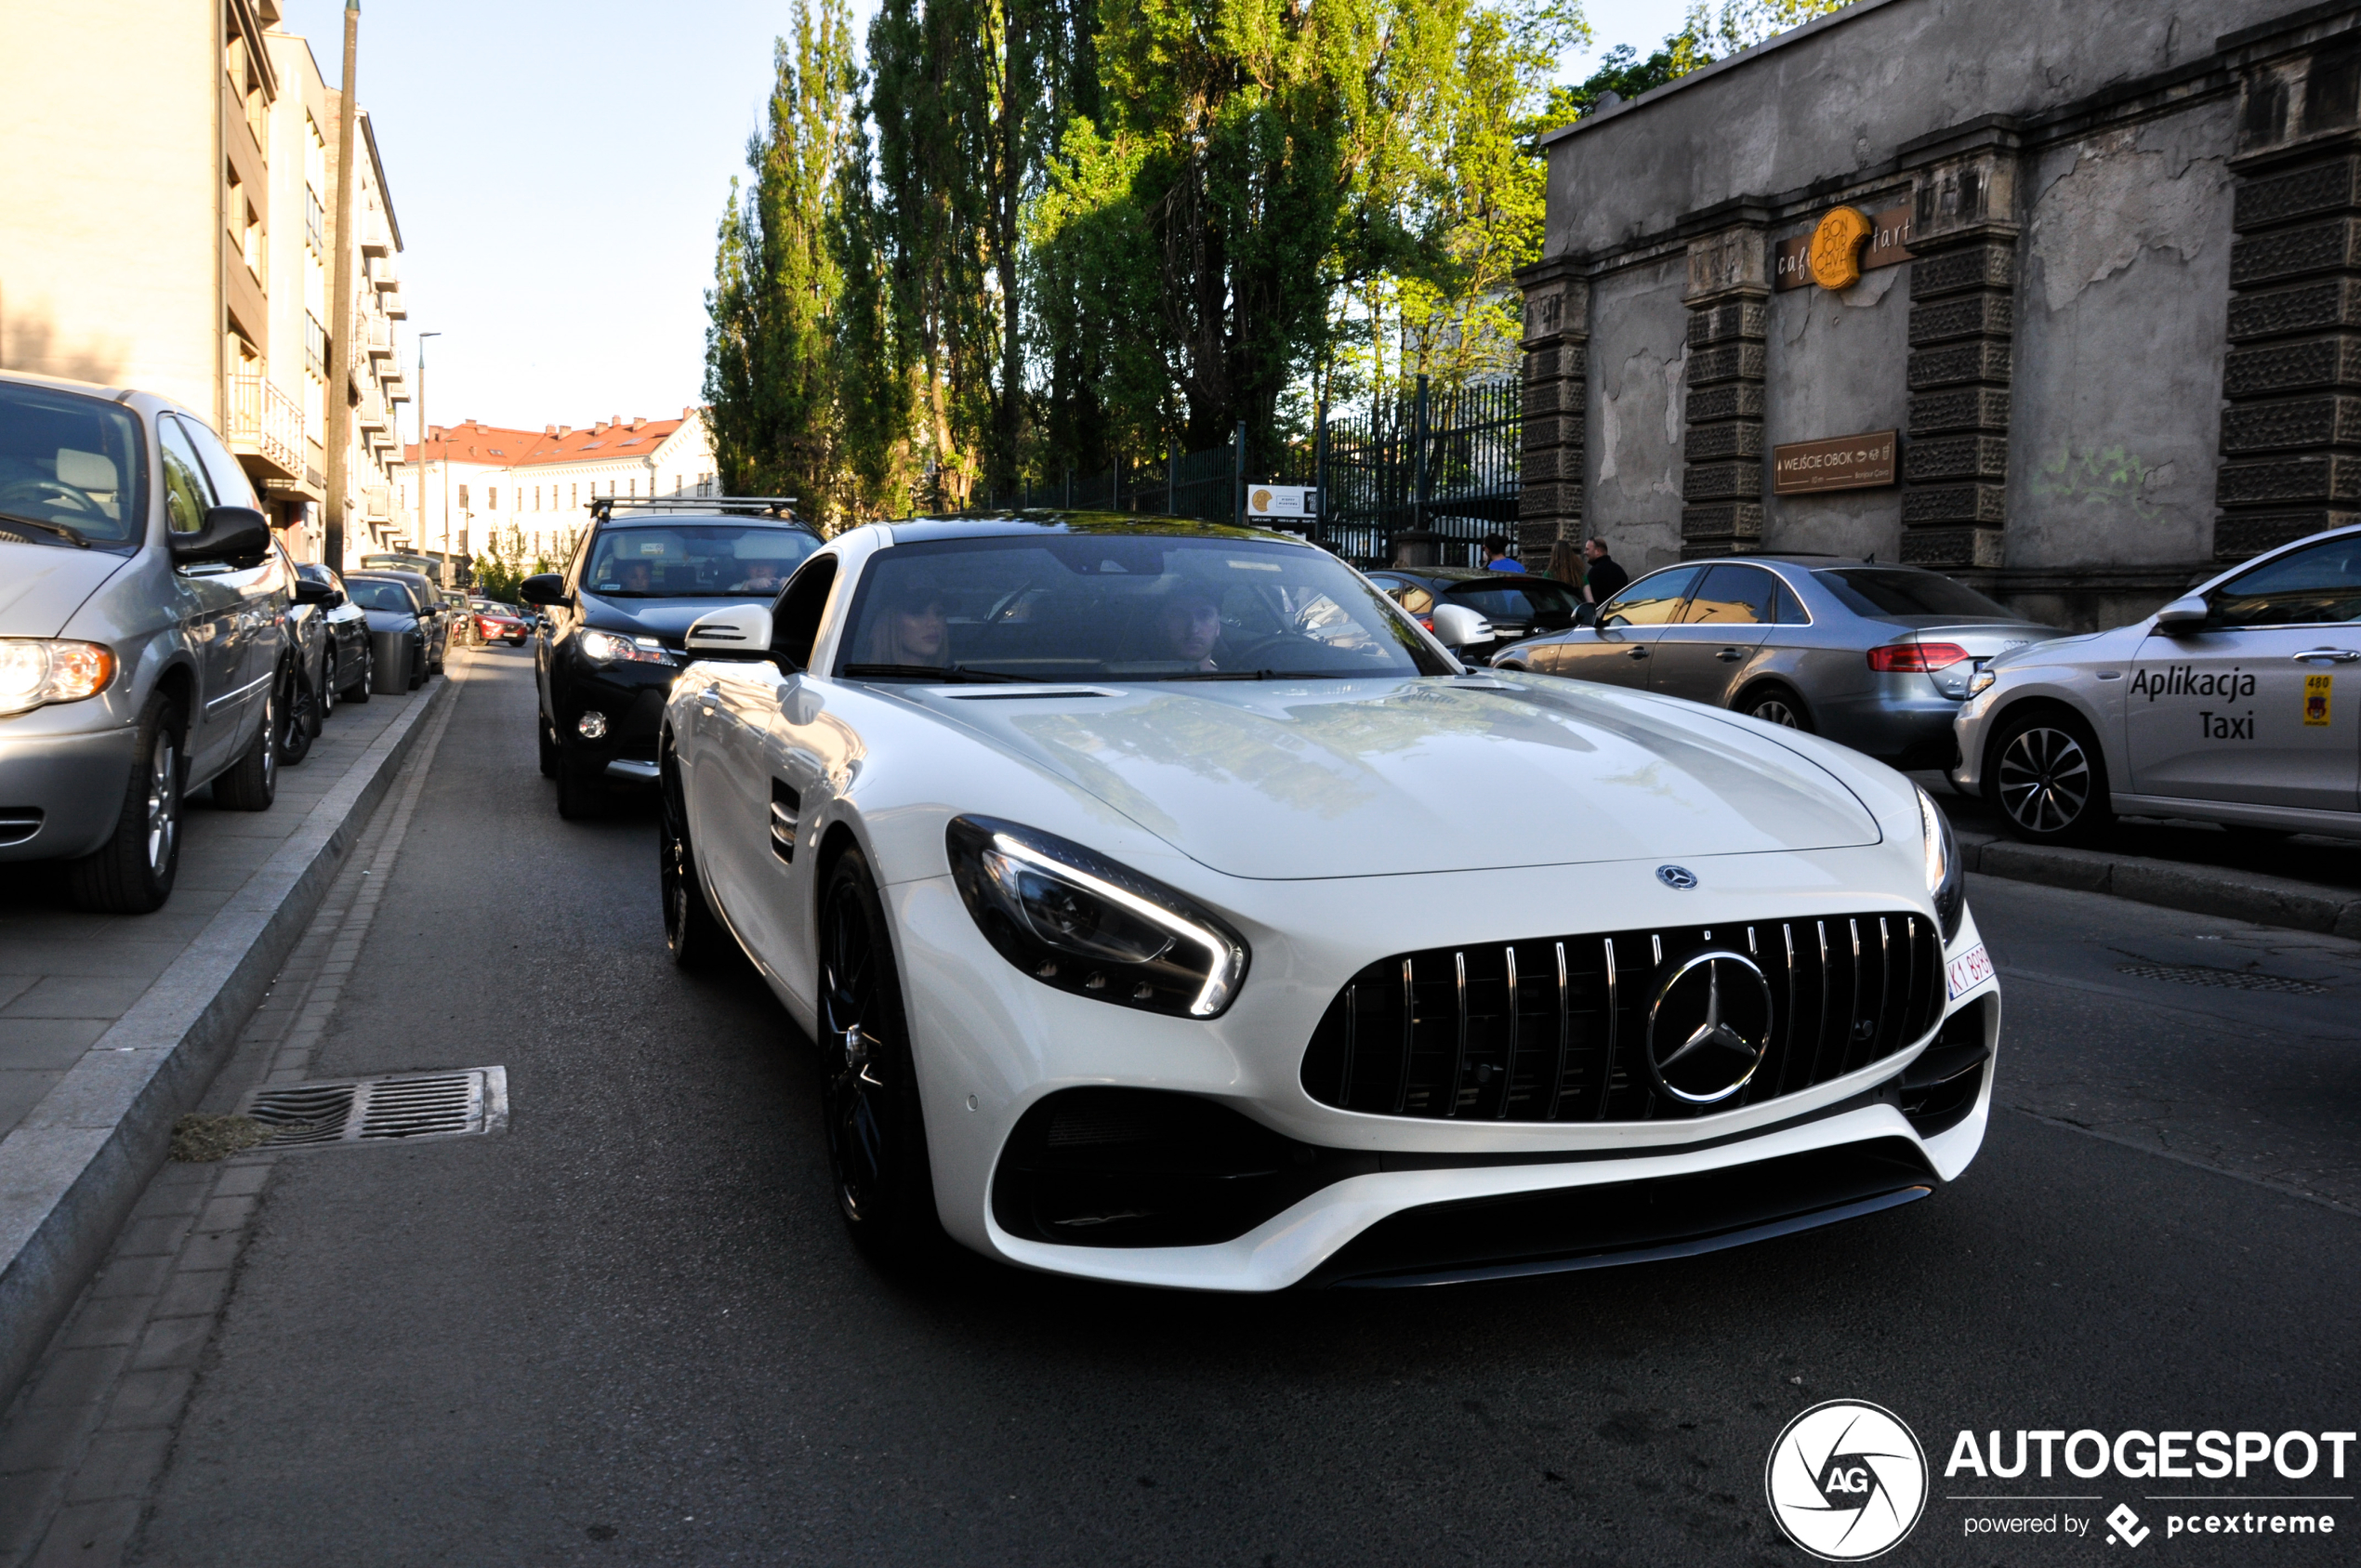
x=252, y=782
x=2048, y=780
x=133, y=871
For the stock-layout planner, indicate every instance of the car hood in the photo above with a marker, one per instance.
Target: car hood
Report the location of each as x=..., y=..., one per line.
x=667, y=619
x=2117, y=642
x=1281, y=781
x=42, y=586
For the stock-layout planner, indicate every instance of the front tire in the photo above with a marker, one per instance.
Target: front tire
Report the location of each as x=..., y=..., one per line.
x=133, y=871
x=2047, y=778
x=582, y=789
x=252, y=782
x=876, y=1131
x=549, y=744
x=298, y=719
x=691, y=933
x=360, y=690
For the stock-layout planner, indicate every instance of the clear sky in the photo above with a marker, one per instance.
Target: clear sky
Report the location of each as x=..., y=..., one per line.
x=559, y=171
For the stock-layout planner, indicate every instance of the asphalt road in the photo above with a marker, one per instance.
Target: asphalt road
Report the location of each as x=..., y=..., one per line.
x=629, y=1328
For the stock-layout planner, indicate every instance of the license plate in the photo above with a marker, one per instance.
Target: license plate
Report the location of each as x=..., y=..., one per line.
x=1969, y=970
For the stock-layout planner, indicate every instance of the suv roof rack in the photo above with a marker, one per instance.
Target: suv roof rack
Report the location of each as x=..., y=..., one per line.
x=604, y=507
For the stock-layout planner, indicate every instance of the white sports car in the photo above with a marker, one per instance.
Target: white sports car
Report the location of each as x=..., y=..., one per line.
x=1170, y=908
x=2222, y=706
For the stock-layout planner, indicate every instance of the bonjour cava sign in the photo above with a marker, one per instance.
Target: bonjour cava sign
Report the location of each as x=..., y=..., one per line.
x=1837, y=462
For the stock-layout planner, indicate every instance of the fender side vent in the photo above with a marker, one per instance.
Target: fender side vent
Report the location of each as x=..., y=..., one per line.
x=396, y=1107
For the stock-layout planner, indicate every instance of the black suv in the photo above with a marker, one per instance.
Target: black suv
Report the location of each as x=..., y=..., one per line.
x=606, y=655
x=1517, y=605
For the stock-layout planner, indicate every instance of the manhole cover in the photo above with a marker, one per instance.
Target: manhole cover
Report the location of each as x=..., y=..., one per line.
x=393, y=1107
x=2232, y=979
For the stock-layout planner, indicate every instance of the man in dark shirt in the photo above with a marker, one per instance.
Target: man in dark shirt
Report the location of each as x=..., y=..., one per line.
x=1604, y=578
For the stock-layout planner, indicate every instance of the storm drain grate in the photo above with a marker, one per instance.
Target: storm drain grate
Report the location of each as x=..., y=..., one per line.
x=394, y=1107
x=2233, y=980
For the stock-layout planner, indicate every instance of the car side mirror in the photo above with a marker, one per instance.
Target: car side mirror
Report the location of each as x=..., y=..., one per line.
x=309, y=592
x=1586, y=615
x=543, y=587
x=741, y=631
x=1455, y=626
x=239, y=536
x=2183, y=616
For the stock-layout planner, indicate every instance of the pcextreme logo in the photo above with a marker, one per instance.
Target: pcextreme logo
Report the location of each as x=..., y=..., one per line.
x=1846, y=1481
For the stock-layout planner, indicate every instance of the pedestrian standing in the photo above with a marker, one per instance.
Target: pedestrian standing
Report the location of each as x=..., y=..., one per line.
x=1496, y=556
x=1566, y=562
x=1605, y=578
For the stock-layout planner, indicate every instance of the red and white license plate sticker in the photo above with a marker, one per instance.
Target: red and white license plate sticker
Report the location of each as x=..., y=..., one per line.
x=1969, y=970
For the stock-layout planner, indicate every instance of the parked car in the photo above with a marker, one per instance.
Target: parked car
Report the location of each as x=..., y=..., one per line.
x=397, y=631
x=144, y=646
x=1123, y=872
x=500, y=623
x=434, y=617
x=2221, y=706
x=347, y=659
x=1516, y=606
x=616, y=615
x=1873, y=655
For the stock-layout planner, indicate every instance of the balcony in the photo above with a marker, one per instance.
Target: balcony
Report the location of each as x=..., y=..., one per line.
x=376, y=502
x=390, y=302
x=370, y=415
x=377, y=333
x=377, y=239
x=390, y=382
x=266, y=427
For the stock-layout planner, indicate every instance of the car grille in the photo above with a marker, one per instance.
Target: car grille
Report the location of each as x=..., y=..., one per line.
x=1556, y=1029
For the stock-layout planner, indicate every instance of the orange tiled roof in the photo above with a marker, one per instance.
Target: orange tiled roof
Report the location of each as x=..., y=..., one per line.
x=474, y=441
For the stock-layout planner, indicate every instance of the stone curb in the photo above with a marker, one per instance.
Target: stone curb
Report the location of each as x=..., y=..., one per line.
x=70, y=1171
x=2201, y=889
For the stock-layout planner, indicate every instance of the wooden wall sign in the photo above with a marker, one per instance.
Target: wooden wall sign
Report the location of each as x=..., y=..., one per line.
x=1807, y=467
x=1888, y=245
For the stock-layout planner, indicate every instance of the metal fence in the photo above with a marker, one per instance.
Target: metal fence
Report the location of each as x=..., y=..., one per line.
x=1445, y=464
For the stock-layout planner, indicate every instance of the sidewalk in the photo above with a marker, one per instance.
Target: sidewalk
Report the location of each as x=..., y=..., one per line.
x=111, y=1025
x=2302, y=883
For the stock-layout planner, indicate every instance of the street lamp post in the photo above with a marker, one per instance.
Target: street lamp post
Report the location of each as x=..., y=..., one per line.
x=420, y=339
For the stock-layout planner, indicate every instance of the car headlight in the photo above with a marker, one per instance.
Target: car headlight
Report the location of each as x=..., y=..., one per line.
x=1946, y=880
x=38, y=670
x=1073, y=919
x=612, y=648
x=1981, y=681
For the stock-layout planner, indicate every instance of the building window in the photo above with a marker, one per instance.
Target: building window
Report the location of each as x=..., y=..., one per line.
x=632, y=487
x=492, y=499
x=315, y=345
x=573, y=496
x=463, y=501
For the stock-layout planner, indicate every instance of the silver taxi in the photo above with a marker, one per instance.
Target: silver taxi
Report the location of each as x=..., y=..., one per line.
x=2223, y=706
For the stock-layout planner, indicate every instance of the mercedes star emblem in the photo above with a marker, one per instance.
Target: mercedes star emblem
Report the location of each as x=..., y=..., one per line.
x=1710, y=1026
x=1679, y=877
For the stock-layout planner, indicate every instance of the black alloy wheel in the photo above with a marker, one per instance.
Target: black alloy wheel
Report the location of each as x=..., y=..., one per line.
x=876, y=1131
x=133, y=871
x=582, y=789
x=327, y=685
x=295, y=718
x=2049, y=781
x=691, y=933
x=359, y=691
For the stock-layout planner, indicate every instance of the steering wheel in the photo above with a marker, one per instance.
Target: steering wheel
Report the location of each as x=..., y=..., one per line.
x=42, y=489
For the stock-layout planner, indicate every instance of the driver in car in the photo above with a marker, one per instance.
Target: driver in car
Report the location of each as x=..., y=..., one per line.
x=912, y=632
x=763, y=576
x=635, y=576
x=1186, y=623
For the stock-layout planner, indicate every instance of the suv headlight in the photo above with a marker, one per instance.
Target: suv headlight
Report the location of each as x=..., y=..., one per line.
x=1073, y=919
x=1946, y=880
x=612, y=648
x=38, y=670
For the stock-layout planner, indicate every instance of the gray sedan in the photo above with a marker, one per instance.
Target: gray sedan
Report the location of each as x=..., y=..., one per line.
x=1873, y=655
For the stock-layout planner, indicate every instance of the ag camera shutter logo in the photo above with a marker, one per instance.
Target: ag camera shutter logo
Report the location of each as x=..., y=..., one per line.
x=1846, y=1481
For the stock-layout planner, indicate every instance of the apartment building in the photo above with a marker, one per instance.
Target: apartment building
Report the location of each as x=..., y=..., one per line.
x=175, y=231
x=482, y=480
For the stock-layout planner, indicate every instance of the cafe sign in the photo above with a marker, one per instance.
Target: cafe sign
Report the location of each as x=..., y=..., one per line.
x=1844, y=245
x=1807, y=468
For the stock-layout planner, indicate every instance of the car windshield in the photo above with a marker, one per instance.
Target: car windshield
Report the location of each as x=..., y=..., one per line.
x=702, y=560
x=374, y=594
x=1885, y=592
x=1126, y=606
x=73, y=471
x=1540, y=602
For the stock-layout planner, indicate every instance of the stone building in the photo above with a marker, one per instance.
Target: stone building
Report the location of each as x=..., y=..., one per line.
x=2064, y=301
x=482, y=480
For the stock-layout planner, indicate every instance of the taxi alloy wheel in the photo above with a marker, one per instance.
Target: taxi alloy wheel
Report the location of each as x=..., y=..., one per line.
x=2048, y=782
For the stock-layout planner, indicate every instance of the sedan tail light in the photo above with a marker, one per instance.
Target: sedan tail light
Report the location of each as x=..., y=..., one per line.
x=1911, y=657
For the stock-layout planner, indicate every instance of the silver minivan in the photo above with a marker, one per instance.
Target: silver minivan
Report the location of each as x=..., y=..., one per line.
x=143, y=635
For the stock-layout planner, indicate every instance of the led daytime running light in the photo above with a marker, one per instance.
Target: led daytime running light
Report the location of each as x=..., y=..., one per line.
x=1224, y=958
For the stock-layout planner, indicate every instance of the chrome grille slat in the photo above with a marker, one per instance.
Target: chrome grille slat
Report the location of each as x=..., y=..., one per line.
x=1882, y=972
